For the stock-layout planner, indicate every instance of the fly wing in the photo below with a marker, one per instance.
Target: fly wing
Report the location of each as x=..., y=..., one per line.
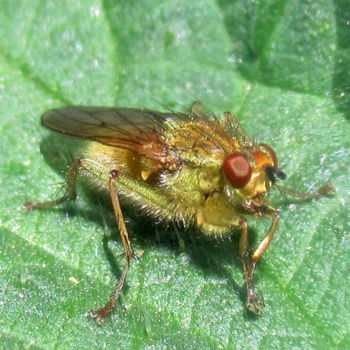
x=233, y=125
x=138, y=130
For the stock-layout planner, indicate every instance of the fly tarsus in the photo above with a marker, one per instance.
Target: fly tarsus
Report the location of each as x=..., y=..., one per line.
x=324, y=190
x=254, y=303
x=100, y=314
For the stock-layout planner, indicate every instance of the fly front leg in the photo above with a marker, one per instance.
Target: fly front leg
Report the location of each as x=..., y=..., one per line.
x=70, y=193
x=100, y=314
x=254, y=303
x=260, y=251
x=322, y=191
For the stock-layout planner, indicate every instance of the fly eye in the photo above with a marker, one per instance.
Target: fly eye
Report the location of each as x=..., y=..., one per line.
x=271, y=152
x=237, y=169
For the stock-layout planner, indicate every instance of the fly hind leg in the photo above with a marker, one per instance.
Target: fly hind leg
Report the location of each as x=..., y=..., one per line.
x=70, y=193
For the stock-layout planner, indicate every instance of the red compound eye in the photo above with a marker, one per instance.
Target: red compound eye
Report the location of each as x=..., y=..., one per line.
x=237, y=169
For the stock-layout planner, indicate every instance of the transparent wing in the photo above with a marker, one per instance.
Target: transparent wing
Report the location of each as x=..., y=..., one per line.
x=134, y=129
x=231, y=123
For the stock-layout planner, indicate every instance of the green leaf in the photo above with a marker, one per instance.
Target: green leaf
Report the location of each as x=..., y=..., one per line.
x=281, y=66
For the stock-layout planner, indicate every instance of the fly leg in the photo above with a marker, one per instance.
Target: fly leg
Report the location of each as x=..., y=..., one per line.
x=100, y=314
x=253, y=303
x=260, y=251
x=71, y=192
x=322, y=191
x=196, y=109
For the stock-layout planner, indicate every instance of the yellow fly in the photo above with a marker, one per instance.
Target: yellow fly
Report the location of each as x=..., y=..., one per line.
x=177, y=167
